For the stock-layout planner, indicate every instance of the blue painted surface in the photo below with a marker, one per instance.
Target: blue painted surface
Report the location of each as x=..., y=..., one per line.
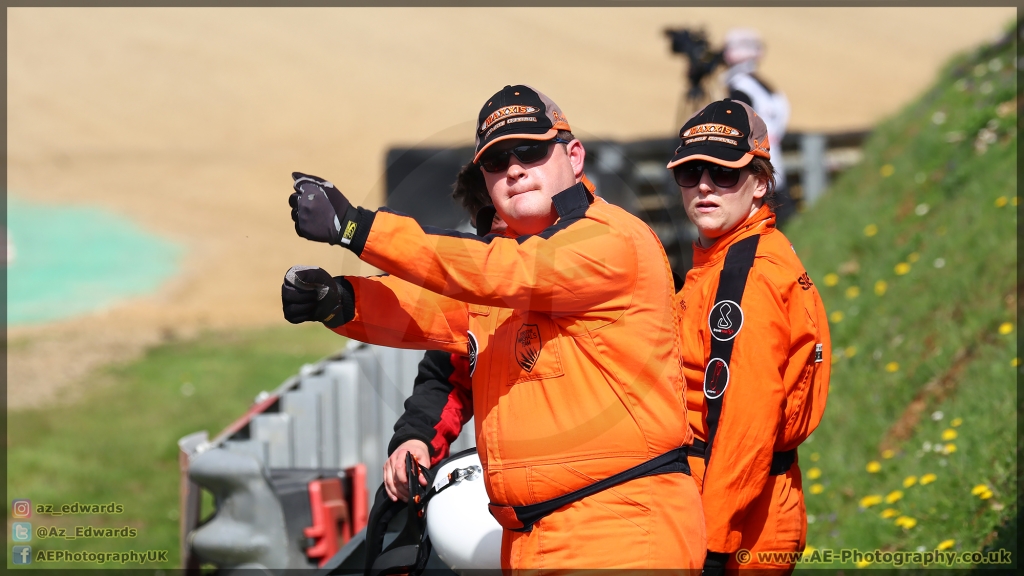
x=77, y=259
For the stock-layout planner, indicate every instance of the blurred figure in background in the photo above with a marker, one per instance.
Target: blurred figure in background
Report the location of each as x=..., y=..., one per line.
x=742, y=54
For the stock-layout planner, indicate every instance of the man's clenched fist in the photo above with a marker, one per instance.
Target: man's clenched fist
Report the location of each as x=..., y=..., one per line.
x=321, y=213
x=311, y=294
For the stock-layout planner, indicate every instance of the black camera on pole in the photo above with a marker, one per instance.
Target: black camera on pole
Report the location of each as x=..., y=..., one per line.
x=702, y=60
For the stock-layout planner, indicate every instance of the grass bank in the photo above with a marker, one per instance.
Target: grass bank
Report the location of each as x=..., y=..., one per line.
x=915, y=254
x=118, y=444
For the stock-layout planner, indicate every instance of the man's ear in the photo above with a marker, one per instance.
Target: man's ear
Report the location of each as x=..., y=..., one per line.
x=576, y=157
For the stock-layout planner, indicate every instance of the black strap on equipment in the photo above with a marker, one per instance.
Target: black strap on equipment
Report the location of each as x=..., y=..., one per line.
x=409, y=551
x=522, y=518
x=781, y=461
x=725, y=323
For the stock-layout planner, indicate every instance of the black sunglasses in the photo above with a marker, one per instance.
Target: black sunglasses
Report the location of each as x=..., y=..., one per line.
x=526, y=153
x=688, y=175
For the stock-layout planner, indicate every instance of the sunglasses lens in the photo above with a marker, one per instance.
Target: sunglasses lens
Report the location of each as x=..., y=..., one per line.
x=495, y=162
x=530, y=153
x=724, y=177
x=688, y=175
x=527, y=154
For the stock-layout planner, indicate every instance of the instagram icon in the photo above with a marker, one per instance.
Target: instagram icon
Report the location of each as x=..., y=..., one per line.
x=21, y=508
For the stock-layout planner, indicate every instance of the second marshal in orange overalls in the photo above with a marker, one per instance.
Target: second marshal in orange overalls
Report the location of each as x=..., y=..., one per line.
x=756, y=348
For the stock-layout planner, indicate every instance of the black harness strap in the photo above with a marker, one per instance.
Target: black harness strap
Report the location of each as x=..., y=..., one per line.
x=725, y=321
x=781, y=461
x=522, y=518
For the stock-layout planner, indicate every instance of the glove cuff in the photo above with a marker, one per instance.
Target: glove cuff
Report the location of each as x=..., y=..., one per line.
x=355, y=228
x=346, y=309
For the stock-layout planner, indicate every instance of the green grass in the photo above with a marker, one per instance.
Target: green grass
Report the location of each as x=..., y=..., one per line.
x=932, y=214
x=119, y=443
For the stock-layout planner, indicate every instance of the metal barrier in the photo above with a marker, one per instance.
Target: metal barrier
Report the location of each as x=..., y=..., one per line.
x=286, y=476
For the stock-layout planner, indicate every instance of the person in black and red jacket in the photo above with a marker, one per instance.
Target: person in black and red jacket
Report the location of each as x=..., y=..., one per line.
x=441, y=402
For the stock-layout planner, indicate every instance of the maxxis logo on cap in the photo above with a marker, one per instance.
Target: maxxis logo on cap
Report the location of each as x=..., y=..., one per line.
x=711, y=128
x=725, y=320
x=507, y=111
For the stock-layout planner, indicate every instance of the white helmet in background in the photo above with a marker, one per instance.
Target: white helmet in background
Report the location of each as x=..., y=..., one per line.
x=462, y=531
x=742, y=44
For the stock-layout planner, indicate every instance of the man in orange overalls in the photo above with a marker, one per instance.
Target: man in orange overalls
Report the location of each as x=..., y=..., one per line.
x=569, y=323
x=755, y=343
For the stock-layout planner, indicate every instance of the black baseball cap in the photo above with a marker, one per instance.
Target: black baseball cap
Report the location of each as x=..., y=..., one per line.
x=518, y=112
x=726, y=132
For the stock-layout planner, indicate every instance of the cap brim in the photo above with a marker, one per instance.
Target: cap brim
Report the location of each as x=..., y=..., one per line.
x=713, y=154
x=546, y=135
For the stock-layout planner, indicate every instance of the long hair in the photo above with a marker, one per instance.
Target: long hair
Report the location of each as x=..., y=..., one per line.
x=763, y=170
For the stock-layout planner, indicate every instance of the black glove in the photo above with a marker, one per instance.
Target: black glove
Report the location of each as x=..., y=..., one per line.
x=714, y=563
x=322, y=214
x=310, y=294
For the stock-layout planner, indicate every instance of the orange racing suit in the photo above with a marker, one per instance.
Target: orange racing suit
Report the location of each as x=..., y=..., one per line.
x=772, y=390
x=573, y=340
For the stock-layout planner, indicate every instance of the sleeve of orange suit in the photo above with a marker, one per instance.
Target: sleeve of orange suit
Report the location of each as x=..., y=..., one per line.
x=577, y=264
x=752, y=414
x=392, y=312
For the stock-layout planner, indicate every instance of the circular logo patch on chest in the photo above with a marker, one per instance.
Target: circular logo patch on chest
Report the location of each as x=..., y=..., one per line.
x=472, y=348
x=725, y=320
x=716, y=378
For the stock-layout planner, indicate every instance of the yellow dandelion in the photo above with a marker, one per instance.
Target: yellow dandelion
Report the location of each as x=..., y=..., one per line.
x=850, y=351
x=870, y=230
x=909, y=481
x=814, y=473
x=817, y=488
x=1015, y=362
x=1005, y=328
x=887, y=170
x=873, y=466
x=985, y=495
x=888, y=453
x=893, y=496
x=852, y=292
x=901, y=268
x=892, y=366
x=808, y=550
x=869, y=501
x=913, y=257
x=949, y=434
x=1001, y=201
x=928, y=479
x=889, y=513
x=979, y=489
x=906, y=522
x=946, y=544
x=831, y=279
x=956, y=422
x=949, y=448
x=815, y=457
x=881, y=286
x=836, y=317
x=1015, y=201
